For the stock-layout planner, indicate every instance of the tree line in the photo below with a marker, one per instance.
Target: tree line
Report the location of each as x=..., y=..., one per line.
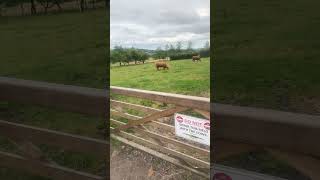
x=48, y=4
x=125, y=56
x=176, y=52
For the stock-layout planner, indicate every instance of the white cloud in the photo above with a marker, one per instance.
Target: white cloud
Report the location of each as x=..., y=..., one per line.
x=150, y=24
x=203, y=12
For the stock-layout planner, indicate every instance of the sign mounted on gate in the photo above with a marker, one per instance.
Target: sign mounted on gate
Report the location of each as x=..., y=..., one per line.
x=220, y=172
x=192, y=128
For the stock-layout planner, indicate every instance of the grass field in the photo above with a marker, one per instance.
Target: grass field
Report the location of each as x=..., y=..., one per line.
x=267, y=55
x=67, y=48
x=183, y=77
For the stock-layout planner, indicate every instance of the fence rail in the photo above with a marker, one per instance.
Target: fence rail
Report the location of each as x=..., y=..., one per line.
x=68, y=98
x=289, y=136
x=292, y=137
x=148, y=133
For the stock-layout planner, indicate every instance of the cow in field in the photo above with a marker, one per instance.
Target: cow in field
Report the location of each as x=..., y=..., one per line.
x=161, y=64
x=196, y=58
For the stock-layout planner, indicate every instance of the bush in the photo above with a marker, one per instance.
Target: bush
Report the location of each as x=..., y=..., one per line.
x=179, y=56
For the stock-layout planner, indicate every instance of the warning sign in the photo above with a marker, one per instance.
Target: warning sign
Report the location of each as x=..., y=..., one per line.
x=221, y=176
x=192, y=128
x=220, y=172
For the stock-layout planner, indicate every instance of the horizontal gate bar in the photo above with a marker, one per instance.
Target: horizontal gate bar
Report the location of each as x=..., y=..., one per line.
x=71, y=98
x=269, y=128
x=153, y=123
x=133, y=106
x=177, y=99
x=124, y=115
x=147, y=143
x=189, y=147
x=67, y=141
x=159, y=155
x=44, y=169
x=154, y=116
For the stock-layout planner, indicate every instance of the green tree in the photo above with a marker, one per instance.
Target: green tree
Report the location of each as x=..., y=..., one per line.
x=133, y=55
x=143, y=56
x=33, y=7
x=126, y=55
x=47, y=4
x=178, y=46
x=10, y=3
x=189, y=47
x=159, y=53
x=118, y=55
x=171, y=50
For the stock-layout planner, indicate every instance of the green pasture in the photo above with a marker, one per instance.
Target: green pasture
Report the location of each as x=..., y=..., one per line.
x=183, y=77
x=266, y=54
x=67, y=48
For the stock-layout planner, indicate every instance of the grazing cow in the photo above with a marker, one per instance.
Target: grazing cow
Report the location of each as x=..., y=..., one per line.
x=196, y=58
x=161, y=64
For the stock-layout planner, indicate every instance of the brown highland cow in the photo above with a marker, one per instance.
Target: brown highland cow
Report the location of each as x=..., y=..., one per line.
x=161, y=64
x=196, y=58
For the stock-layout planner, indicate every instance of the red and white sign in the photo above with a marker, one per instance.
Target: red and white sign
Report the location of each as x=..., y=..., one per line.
x=220, y=172
x=192, y=128
x=221, y=176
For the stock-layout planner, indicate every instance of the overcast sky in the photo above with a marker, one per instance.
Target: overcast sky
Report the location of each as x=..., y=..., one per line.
x=152, y=23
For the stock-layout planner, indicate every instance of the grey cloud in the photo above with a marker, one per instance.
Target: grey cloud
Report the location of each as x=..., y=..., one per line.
x=149, y=24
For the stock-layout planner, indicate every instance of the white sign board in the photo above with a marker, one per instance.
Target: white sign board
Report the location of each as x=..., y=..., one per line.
x=228, y=173
x=192, y=128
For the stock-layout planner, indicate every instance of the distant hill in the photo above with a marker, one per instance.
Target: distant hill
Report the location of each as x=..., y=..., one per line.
x=148, y=51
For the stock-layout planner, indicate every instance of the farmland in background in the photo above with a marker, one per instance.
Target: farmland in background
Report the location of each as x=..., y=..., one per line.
x=266, y=55
x=268, y=60
x=67, y=48
x=183, y=77
x=33, y=7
